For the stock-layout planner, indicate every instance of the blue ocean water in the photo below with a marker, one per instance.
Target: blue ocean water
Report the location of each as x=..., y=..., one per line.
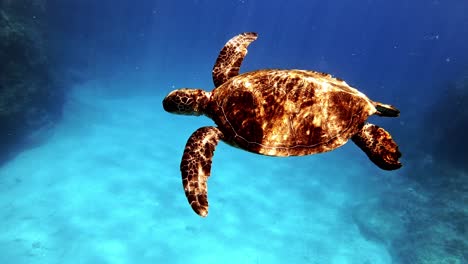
x=101, y=183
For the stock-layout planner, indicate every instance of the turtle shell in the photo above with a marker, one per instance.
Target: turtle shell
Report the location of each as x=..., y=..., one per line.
x=288, y=112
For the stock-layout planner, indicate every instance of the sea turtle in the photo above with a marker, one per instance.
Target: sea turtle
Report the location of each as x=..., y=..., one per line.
x=276, y=113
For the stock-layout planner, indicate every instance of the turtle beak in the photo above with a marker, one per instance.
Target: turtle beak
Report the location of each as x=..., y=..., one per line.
x=169, y=104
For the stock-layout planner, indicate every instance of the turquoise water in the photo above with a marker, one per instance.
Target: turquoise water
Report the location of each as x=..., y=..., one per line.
x=102, y=184
x=105, y=188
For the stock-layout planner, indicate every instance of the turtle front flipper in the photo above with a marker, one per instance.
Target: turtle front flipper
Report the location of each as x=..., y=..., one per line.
x=379, y=146
x=230, y=58
x=196, y=166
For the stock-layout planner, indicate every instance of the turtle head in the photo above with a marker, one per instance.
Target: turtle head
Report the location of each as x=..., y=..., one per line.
x=186, y=101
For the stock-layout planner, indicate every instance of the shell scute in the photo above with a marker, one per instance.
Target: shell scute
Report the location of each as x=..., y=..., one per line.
x=288, y=112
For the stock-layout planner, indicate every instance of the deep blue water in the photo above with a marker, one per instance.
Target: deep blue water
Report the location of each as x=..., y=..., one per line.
x=103, y=185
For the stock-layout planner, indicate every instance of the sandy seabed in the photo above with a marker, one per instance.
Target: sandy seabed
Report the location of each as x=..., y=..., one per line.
x=105, y=187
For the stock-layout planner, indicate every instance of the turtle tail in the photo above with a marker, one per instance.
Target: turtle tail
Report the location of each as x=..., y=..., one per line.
x=386, y=110
x=378, y=146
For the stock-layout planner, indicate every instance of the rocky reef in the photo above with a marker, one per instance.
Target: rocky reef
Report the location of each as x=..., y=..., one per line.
x=30, y=96
x=447, y=123
x=439, y=139
x=417, y=226
x=424, y=218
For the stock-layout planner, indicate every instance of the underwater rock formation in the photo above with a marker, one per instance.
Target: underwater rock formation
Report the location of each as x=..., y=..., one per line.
x=439, y=141
x=435, y=140
x=448, y=123
x=437, y=231
x=417, y=226
x=30, y=97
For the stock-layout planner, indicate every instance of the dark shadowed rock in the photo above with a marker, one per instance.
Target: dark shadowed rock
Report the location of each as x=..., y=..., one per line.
x=30, y=97
x=417, y=226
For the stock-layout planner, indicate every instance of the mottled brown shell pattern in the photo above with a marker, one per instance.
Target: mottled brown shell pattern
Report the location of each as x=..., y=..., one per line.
x=288, y=112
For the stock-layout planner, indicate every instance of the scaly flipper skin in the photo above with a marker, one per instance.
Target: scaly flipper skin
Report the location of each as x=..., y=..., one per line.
x=196, y=166
x=230, y=58
x=379, y=146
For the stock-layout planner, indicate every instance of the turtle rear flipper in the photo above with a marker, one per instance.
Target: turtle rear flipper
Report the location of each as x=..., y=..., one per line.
x=196, y=166
x=378, y=146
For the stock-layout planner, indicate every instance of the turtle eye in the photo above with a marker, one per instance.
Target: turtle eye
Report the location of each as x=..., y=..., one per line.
x=186, y=101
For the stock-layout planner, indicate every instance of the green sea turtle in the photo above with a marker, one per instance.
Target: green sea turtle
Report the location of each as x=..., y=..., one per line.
x=276, y=113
